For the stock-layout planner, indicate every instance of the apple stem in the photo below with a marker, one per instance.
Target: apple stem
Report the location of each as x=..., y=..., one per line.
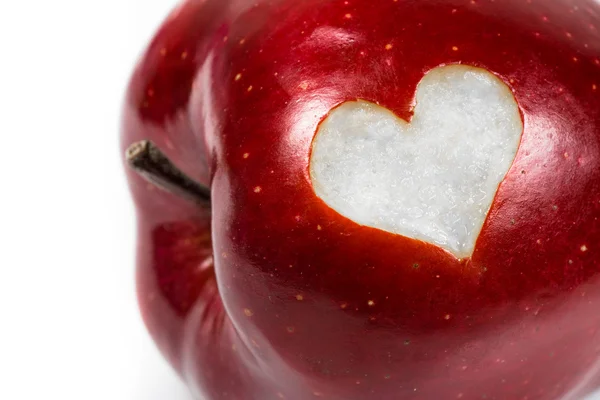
x=154, y=166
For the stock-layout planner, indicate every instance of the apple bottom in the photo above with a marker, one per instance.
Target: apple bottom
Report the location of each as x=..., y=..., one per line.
x=535, y=358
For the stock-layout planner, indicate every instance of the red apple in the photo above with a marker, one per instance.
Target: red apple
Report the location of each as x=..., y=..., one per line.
x=284, y=286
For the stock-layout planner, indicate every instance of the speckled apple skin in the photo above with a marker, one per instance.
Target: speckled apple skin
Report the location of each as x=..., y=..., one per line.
x=276, y=296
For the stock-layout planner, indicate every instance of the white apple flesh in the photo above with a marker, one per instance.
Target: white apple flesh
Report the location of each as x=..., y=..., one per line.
x=433, y=178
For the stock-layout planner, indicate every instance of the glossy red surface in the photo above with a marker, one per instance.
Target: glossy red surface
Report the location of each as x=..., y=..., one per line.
x=310, y=305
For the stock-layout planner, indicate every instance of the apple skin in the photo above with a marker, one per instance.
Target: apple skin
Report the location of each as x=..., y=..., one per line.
x=303, y=303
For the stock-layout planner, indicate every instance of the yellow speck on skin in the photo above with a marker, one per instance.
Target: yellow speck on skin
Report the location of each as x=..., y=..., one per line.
x=584, y=248
x=250, y=88
x=238, y=77
x=169, y=144
x=242, y=41
x=246, y=155
x=163, y=51
x=299, y=297
x=184, y=55
x=447, y=317
x=319, y=228
x=454, y=48
x=257, y=189
x=291, y=329
x=575, y=59
x=569, y=35
x=343, y=306
x=348, y=16
x=248, y=312
x=303, y=85
x=388, y=46
x=371, y=303
x=594, y=87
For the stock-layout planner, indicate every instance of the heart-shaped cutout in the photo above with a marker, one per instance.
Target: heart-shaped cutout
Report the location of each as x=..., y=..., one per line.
x=433, y=179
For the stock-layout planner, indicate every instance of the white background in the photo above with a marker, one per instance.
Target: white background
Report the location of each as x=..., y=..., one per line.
x=69, y=325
